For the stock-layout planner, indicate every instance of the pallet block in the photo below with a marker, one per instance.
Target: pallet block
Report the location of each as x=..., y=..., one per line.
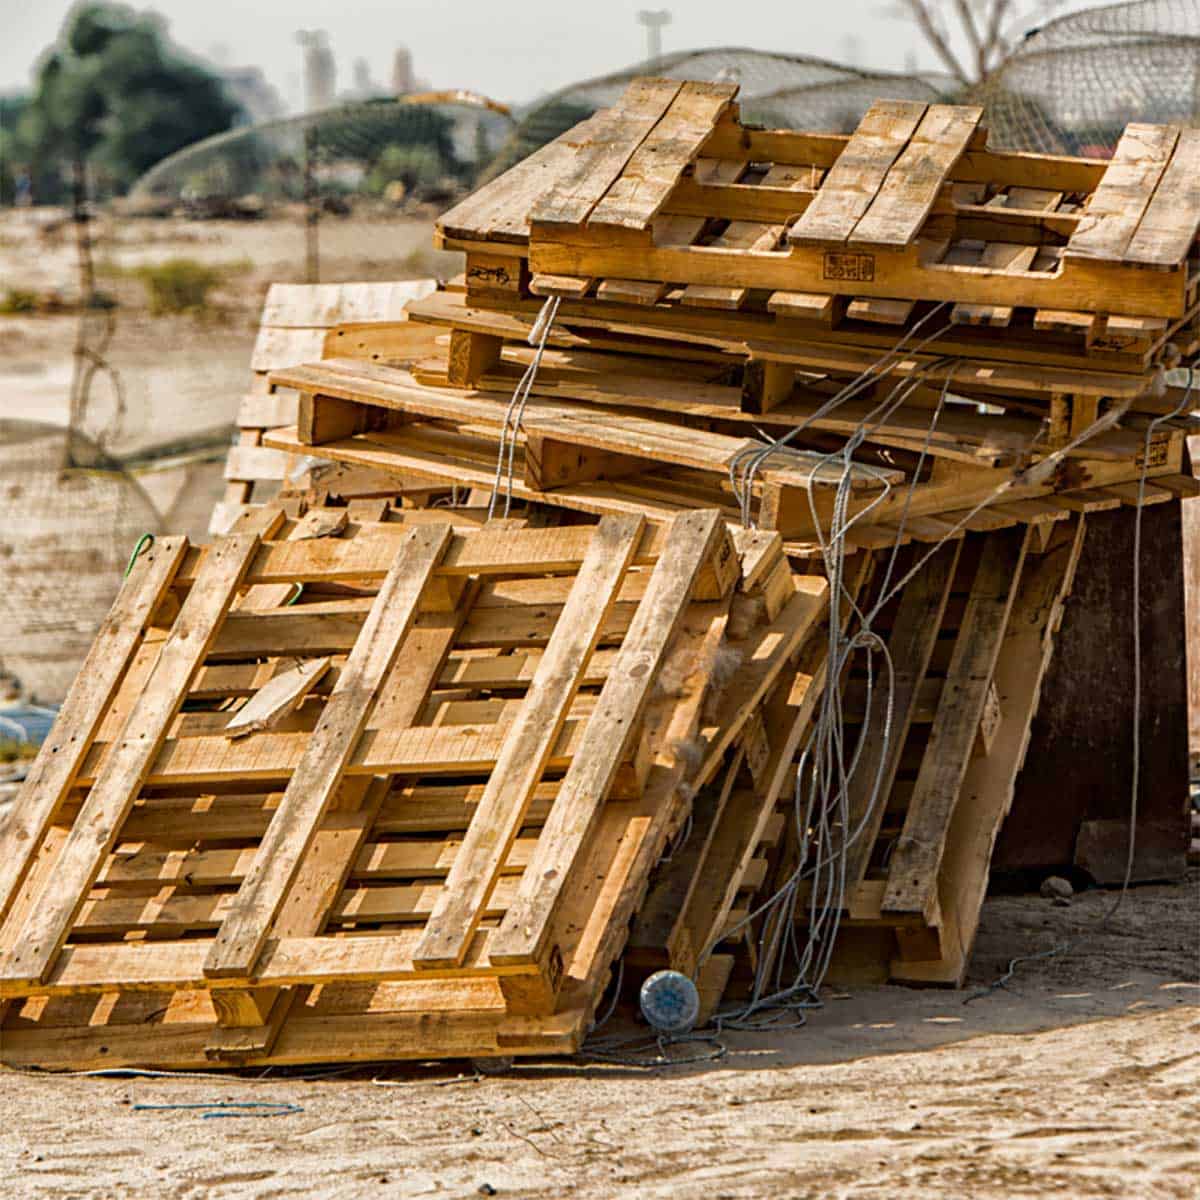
x=408, y=815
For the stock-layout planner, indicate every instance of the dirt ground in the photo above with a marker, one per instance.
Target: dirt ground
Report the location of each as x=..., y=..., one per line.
x=182, y=376
x=1080, y=1078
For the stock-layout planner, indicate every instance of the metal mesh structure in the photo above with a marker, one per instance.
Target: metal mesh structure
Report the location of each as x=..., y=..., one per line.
x=352, y=148
x=782, y=90
x=1077, y=81
x=65, y=538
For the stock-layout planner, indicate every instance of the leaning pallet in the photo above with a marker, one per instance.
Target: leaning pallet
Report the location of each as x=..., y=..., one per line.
x=409, y=814
x=969, y=639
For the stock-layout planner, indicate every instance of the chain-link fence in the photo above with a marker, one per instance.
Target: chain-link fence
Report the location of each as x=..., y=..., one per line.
x=397, y=155
x=1077, y=81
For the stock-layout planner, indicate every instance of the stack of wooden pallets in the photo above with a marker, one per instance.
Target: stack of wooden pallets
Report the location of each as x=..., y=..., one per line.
x=410, y=814
x=520, y=682
x=719, y=285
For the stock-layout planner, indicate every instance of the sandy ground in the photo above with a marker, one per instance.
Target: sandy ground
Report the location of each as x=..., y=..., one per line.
x=1080, y=1078
x=182, y=375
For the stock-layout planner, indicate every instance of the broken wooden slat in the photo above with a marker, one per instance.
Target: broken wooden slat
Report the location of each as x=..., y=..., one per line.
x=855, y=178
x=278, y=697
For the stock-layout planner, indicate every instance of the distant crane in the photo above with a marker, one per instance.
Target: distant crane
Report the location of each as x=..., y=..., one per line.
x=654, y=19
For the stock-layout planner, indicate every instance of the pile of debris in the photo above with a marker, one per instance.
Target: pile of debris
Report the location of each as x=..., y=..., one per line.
x=675, y=589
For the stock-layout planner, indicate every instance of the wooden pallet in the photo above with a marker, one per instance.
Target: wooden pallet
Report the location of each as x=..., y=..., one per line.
x=970, y=638
x=576, y=452
x=409, y=815
x=668, y=188
x=297, y=320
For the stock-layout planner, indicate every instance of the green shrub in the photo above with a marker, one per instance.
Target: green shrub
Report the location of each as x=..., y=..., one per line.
x=11, y=750
x=418, y=167
x=179, y=285
x=18, y=300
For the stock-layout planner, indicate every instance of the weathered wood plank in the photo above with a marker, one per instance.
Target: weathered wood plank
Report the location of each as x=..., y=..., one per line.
x=1169, y=225
x=130, y=760
x=637, y=195
x=523, y=934
x=913, y=182
x=63, y=752
x=326, y=755
x=603, y=145
x=857, y=175
x=501, y=812
x=1115, y=209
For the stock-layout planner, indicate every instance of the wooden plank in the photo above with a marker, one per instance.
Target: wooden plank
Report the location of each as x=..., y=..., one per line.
x=637, y=195
x=1116, y=208
x=913, y=182
x=130, y=760
x=987, y=790
x=328, y=751
x=277, y=697
x=279, y=347
x=567, y=287
x=1081, y=283
x=603, y=145
x=523, y=935
x=1171, y=220
x=530, y=740
x=880, y=312
x=802, y=306
x=852, y=182
x=266, y=410
x=255, y=463
x=285, y=962
x=911, y=643
x=913, y=870
x=631, y=291
x=60, y=756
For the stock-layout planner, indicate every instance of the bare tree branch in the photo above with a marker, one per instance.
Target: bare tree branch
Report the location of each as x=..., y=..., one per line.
x=990, y=28
x=922, y=12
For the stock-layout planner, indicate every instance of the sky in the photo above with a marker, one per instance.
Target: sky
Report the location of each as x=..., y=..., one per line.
x=512, y=50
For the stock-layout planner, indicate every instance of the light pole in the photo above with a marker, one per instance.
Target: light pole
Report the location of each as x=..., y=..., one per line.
x=654, y=19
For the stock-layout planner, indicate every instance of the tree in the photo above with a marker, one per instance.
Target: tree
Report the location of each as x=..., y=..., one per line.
x=113, y=95
x=990, y=29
